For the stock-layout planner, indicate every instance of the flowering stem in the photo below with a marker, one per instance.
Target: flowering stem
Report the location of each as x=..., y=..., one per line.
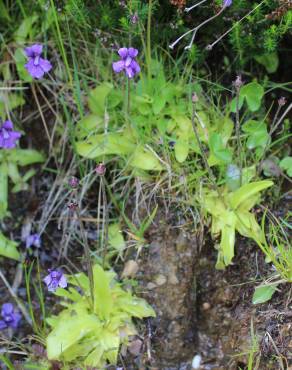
x=195, y=30
x=87, y=255
x=237, y=128
x=187, y=10
x=149, y=38
x=235, y=25
x=128, y=97
x=104, y=221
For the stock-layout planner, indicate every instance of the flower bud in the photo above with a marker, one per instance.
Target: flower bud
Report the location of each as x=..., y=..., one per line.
x=73, y=182
x=195, y=98
x=238, y=82
x=100, y=169
x=282, y=101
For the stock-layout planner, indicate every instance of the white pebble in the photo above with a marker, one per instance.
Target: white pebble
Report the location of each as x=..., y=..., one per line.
x=196, y=363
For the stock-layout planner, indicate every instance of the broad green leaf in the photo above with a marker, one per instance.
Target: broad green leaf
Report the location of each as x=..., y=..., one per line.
x=146, y=160
x=253, y=93
x=103, y=301
x=3, y=189
x=8, y=248
x=258, y=139
x=115, y=237
x=97, y=98
x=13, y=172
x=95, y=357
x=105, y=144
x=88, y=125
x=71, y=294
x=258, y=134
x=69, y=331
x=80, y=280
x=184, y=124
x=158, y=103
x=252, y=126
x=269, y=61
x=228, y=237
x=24, y=157
x=247, y=191
x=218, y=150
x=181, y=150
x=110, y=343
x=263, y=293
x=247, y=226
x=136, y=307
x=20, y=61
x=234, y=102
x=286, y=165
x=225, y=127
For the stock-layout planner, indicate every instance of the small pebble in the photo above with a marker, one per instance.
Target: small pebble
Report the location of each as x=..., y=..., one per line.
x=196, y=363
x=206, y=306
x=160, y=280
x=151, y=286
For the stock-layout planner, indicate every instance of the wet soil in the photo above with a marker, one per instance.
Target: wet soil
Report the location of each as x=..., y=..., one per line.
x=206, y=312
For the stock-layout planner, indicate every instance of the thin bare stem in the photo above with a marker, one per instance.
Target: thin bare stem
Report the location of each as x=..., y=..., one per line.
x=187, y=10
x=195, y=30
x=87, y=255
x=42, y=116
x=210, y=46
x=237, y=128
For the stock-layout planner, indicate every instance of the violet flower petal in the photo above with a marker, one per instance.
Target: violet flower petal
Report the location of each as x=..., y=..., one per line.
x=130, y=72
x=128, y=61
x=16, y=317
x=8, y=125
x=45, y=65
x=118, y=66
x=135, y=66
x=2, y=325
x=33, y=50
x=227, y=3
x=123, y=53
x=35, y=71
x=7, y=309
x=132, y=52
x=63, y=282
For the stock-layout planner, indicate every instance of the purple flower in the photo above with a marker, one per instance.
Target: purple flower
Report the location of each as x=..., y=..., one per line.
x=100, y=169
x=36, y=66
x=10, y=317
x=33, y=240
x=134, y=18
x=8, y=137
x=54, y=280
x=73, y=182
x=127, y=62
x=227, y=3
